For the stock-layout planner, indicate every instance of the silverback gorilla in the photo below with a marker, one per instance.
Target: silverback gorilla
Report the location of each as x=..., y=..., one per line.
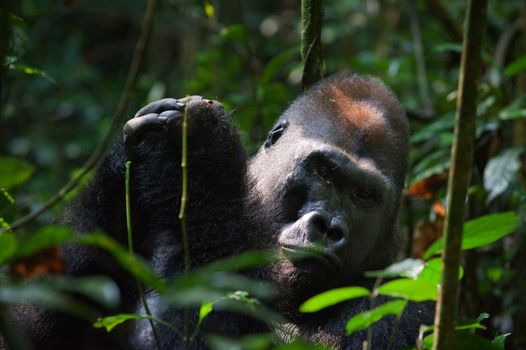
x=328, y=179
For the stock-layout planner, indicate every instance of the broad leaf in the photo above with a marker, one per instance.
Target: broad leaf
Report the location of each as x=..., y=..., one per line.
x=404, y=268
x=500, y=171
x=433, y=271
x=14, y=172
x=332, y=297
x=415, y=290
x=365, y=319
x=481, y=231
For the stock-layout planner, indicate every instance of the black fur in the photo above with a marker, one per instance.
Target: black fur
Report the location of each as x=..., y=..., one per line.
x=236, y=204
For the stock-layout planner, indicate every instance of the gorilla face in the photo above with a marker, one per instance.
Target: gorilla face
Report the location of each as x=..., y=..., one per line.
x=332, y=169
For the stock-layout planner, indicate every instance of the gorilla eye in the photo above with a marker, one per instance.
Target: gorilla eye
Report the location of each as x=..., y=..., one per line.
x=324, y=173
x=365, y=197
x=275, y=133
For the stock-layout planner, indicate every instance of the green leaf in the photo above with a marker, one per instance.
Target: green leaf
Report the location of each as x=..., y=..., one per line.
x=276, y=63
x=134, y=264
x=404, y=268
x=98, y=288
x=46, y=237
x=209, y=9
x=516, y=66
x=469, y=341
x=415, y=290
x=111, y=322
x=14, y=172
x=500, y=171
x=247, y=342
x=500, y=340
x=191, y=290
x=433, y=271
x=43, y=292
x=454, y=47
x=445, y=122
x=481, y=232
x=8, y=246
x=332, y=297
x=365, y=319
x=33, y=71
x=204, y=310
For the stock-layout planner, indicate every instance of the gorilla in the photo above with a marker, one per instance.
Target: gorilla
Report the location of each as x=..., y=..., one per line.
x=325, y=186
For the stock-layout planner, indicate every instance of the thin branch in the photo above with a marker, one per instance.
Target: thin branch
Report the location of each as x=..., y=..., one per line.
x=460, y=172
x=418, y=49
x=182, y=219
x=448, y=23
x=311, y=51
x=118, y=117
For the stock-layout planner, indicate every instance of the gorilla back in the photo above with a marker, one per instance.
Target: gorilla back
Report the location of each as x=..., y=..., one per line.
x=323, y=192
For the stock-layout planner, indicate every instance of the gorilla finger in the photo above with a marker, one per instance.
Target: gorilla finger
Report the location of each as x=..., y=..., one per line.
x=161, y=106
x=137, y=127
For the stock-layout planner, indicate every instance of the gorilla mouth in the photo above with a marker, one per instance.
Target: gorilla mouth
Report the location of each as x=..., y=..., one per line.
x=302, y=254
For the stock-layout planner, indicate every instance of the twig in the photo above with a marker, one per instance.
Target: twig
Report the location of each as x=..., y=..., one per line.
x=130, y=249
x=311, y=51
x=98, y=155
x=418, y=48
x=182, y=218
x=460, y=173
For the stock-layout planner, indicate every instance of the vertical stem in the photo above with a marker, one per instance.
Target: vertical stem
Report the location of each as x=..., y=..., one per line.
x=182, y=218
x=130, y=249
x=460, y=173
x=311, y=51
x=418, y=49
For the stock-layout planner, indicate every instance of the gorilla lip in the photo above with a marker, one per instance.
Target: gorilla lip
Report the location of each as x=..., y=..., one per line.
x=297, y=253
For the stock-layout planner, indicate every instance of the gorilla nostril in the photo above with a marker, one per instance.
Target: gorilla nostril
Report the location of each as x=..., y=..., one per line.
x=210, y=102
x=319, y=223
x=334, y=234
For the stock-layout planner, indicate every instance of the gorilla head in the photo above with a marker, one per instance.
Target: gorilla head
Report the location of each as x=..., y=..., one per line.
x=332, y=171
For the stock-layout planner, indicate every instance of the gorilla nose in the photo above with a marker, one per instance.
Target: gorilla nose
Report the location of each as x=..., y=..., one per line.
x=328, y=229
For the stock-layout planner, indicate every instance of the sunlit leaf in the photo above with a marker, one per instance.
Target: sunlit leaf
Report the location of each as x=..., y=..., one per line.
x=209, y=9
x=433, y=271
x=409, y=289
x=332, y=297
x=110, y=322
x=481, y=231
x=33, y=71
x=14, y=172
x=403, y=268
x=500, y=171
x=365, y=319
x=204, y=310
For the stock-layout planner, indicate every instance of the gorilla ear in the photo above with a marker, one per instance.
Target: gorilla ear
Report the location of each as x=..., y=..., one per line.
x=275, y=133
